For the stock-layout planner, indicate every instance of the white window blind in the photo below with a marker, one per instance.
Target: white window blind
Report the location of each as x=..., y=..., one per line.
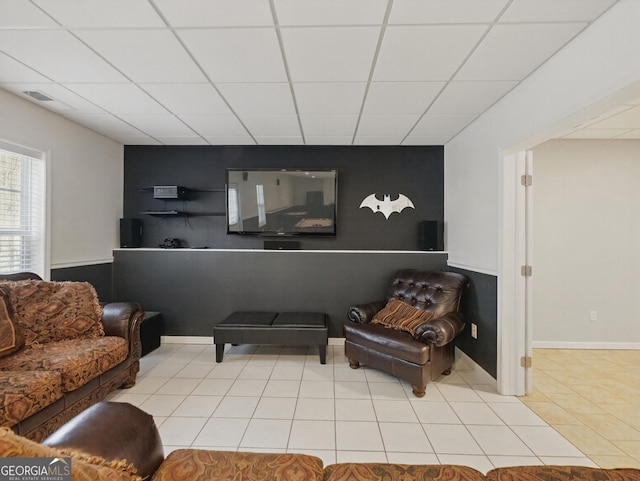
x=22, y=213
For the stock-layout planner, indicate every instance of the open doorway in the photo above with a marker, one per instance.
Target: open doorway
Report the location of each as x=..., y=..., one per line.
x=584, y=231
x=584, y=314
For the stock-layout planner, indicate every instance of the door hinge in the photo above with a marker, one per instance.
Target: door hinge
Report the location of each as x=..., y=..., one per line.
x=526, y=180
x=526, y=271
x=526, y=361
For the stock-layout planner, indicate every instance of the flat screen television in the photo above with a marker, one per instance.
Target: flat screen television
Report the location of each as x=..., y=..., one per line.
x=282, y=202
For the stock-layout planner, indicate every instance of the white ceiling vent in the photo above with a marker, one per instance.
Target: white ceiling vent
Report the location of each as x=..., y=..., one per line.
x=37, y=95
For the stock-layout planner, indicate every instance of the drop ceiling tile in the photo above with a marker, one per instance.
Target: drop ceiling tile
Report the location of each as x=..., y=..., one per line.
x=181, y=98
x=386, y=125
x=64, y=98
x=169, y=140
x=118, y=98
x=330, y=54
x=98, y=13
x=632, y=135
x=330, y=12
x=21, y=14
x=596, y=134
x=426, y=140
x=445, y=11
x=400, y=98
x=432, y=125
x=258, y=98
x=328, y=140
x=606, y=115
x=511, y=52
x=332, y=98
x=237, y=55
x=382, y=140
x=470, y=97
x=272, y=125
x=144, y=55
x=555, y=10
x=215, y=125
x=105, y=124
x=328, y=125
x=628, y=119
x=57, y=55
x=158, y=125
x=283, y=140
x=427, y=53
x=137, y=140
x=219, y=13
x=13, y=71
x=231, y=140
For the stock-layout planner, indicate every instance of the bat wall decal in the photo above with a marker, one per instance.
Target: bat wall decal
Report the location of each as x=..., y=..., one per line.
x=387, y=206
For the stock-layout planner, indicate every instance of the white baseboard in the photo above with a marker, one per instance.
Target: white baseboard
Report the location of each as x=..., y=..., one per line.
x=333, y=341
x=186, y=339
x=586, y=345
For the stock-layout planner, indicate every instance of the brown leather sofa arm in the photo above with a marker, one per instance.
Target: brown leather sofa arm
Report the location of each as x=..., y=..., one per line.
x=113, y=431
x=20, y=276
x=123, y=319
x=440, y=331
x=363, y=313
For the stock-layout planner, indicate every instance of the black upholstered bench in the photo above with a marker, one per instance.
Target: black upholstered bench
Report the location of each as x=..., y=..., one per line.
x=287, y=328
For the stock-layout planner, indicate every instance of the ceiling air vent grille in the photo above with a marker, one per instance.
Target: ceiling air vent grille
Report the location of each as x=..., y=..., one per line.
x=34, y=94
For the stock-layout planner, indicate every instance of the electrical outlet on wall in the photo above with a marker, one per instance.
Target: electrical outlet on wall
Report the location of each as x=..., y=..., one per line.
x=593, y=316
x=474, y=330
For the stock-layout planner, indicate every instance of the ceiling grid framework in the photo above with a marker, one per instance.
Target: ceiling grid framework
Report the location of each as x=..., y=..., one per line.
x=287, y=72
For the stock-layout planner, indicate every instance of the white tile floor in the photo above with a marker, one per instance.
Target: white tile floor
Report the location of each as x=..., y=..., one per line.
x=277, y=399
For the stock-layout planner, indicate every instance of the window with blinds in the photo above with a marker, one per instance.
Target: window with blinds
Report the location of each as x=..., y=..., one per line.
x=22, y=213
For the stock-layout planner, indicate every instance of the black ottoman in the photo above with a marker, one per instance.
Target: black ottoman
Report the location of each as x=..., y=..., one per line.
x=286, y=328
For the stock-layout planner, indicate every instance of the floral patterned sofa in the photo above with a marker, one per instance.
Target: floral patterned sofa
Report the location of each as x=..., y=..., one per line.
x=61, y=351
x=118, y=441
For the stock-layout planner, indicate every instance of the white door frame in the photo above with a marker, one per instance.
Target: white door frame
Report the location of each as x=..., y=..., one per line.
x=529, y=280
x=512, y=285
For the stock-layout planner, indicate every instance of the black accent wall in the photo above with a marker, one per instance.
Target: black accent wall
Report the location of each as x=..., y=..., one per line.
x=416, y=172
x=479, y=306
x=98, y=275
x=196, y=289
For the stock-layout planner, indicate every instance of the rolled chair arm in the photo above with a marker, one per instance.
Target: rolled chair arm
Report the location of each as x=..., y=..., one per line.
x=117, y=317
x=124, y=319
x=113, y=431
x=440, y=331
x=363, y=313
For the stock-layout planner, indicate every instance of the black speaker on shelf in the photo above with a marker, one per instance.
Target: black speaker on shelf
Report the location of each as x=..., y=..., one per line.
x=130, y=233
x=429, y=236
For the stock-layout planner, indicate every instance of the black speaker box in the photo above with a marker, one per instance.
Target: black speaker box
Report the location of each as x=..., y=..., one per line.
x=430, y=236
x=130, y=233
x=281, y=245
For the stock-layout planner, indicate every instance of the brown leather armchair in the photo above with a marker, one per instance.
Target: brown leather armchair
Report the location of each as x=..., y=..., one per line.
x=416, y=358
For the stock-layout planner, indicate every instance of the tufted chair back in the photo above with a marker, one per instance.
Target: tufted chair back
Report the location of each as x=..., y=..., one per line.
x=437, y=292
